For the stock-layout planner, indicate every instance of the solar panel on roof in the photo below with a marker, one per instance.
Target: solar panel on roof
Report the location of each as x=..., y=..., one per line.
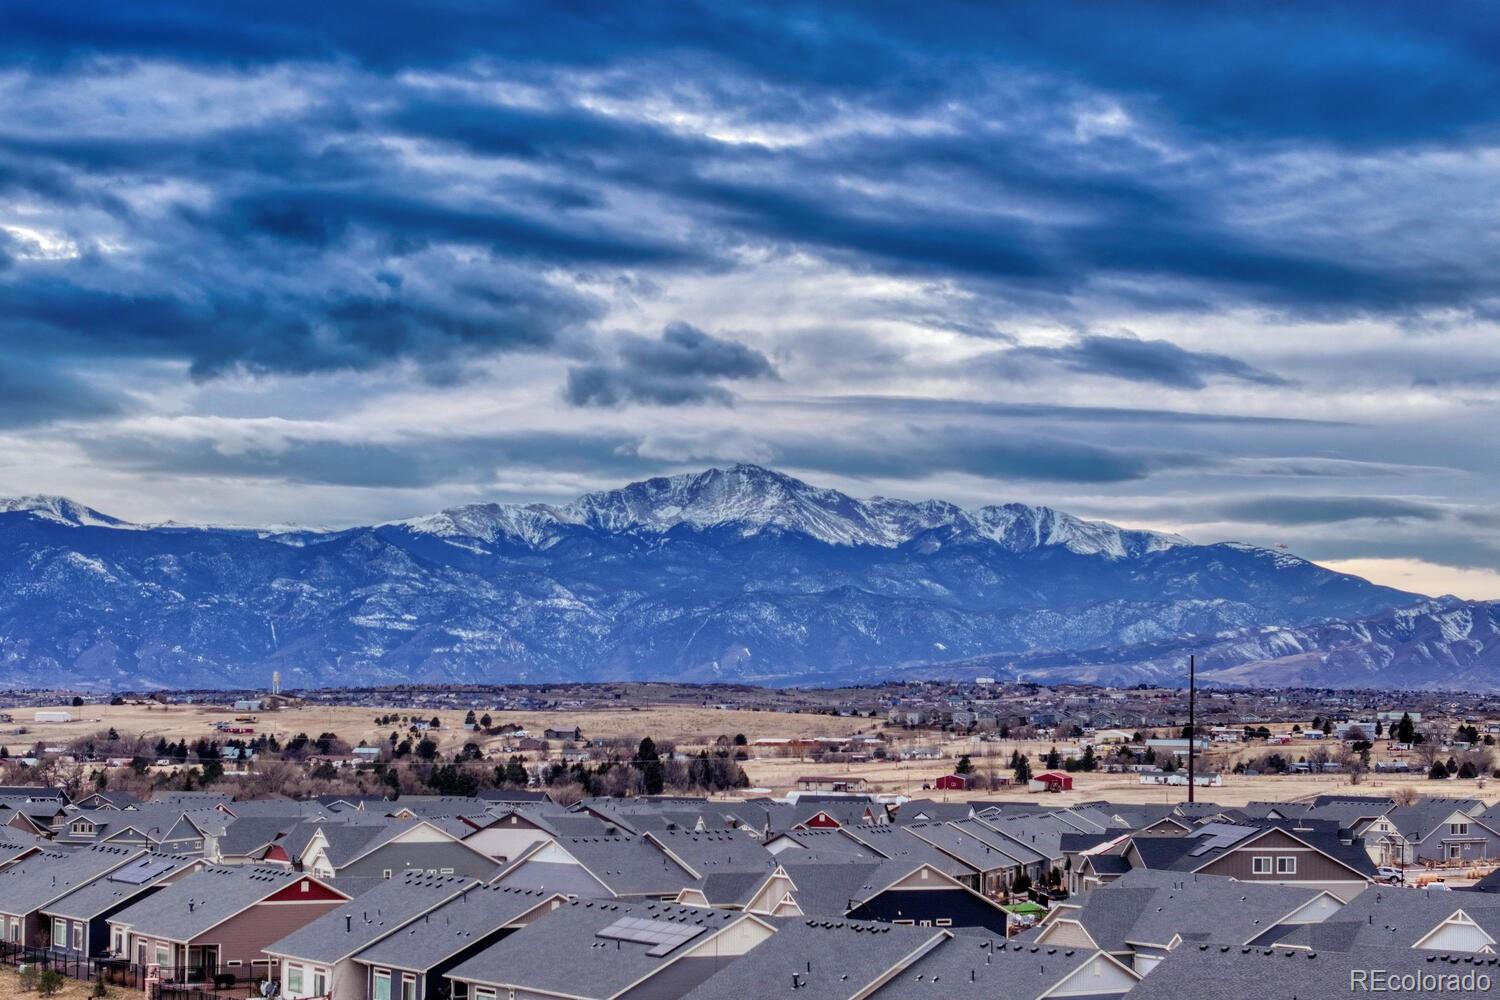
x=141, y=872
x=663, y=936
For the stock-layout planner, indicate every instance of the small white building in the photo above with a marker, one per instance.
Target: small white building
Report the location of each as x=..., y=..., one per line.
x=48, y=715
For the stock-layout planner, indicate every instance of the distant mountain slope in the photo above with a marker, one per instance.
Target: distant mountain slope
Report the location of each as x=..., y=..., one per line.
x=1445, y=644
x=736, y=574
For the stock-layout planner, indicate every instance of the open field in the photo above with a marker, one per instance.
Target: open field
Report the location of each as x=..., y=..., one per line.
x=690, y=727
x=674, y=723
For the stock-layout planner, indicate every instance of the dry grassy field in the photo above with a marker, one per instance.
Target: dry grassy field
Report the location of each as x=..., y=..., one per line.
x=677, y=724
x=10, y=989
x=692, y=727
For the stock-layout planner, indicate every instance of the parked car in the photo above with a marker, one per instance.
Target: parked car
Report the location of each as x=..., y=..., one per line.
x=1395, y=876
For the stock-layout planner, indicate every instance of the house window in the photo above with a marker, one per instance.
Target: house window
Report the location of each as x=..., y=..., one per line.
x=1261, y=866
x=117, y=942
x=1458, y=829
x=382, y=985
x=408, y=987
x=445, y=871
x=77, y=937
x=319, y=983
x=483, y=993
x=163, y=955
x=59, y=933
x=294, y=980
x=306, y=886
x=943, y=922
x=387, y=873
x=1286, y=866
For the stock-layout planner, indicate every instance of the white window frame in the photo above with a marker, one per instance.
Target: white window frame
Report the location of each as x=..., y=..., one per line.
x=1262, y=864
x=162, y=949
x=77, y=936
x=408, y=986
x=1458, y=829
x=294, y=979
x=59, y=929
x=382, y=978
x=1286, y=865
x=320, y=982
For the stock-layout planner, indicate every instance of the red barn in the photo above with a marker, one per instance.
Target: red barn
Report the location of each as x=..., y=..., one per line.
x=1053, y=781
x=955, y=782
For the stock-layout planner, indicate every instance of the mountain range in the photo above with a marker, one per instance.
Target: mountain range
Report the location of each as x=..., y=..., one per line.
x=741, y=574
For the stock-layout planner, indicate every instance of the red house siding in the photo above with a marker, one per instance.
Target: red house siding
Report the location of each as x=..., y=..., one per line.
x=313, y=891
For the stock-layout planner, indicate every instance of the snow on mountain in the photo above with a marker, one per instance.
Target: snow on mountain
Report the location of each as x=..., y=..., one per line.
x=750, y=500
x=62, y=510
x=738, y=574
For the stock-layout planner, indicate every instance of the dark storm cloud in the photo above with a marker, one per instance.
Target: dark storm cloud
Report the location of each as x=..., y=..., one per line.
x=1358, y=73
x=952, y=408
x=411, y=463
x=1312, y=510
x=293, y=329
x=1134, y=360
x=913, y=452
x=32, y=395
x=975, y=174
x=684, y=365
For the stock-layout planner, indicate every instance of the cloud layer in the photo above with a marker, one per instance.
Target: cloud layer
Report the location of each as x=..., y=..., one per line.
x=1223, y=270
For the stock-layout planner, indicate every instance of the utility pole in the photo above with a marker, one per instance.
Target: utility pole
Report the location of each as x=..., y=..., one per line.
x=1192, y=723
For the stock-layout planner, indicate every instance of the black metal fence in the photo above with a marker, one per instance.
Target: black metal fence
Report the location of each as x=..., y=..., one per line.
x=183, y=984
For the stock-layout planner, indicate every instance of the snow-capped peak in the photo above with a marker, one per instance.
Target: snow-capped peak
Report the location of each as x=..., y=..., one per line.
x=60, y=509
x=752, y=499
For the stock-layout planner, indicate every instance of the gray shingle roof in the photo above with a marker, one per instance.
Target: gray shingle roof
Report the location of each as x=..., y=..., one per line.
x=562, y=952
x=628, y=866
x=898, y=843
x=203, y=900
x=106, y=892
x=1153, y=907
x=831, y=959
x=982, y=968
x=42, y=878
x=1214, y=973
x=833, y=889
x=717, y=851
x=362, y=921
x=455, y=925
x=1399, y=917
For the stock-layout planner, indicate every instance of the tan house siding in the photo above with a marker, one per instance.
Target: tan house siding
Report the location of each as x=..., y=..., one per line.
x=1311, y=865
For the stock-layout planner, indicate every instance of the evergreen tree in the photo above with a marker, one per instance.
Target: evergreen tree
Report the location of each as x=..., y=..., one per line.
x=648, y=762
x=964, y=766
x=1021, y=768
x=1406, y=731
x=1054, y=759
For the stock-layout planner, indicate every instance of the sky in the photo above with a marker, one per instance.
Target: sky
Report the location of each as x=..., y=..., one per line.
x=1223, y=269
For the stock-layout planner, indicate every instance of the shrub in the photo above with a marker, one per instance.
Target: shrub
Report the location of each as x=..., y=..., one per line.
x=49, y=982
